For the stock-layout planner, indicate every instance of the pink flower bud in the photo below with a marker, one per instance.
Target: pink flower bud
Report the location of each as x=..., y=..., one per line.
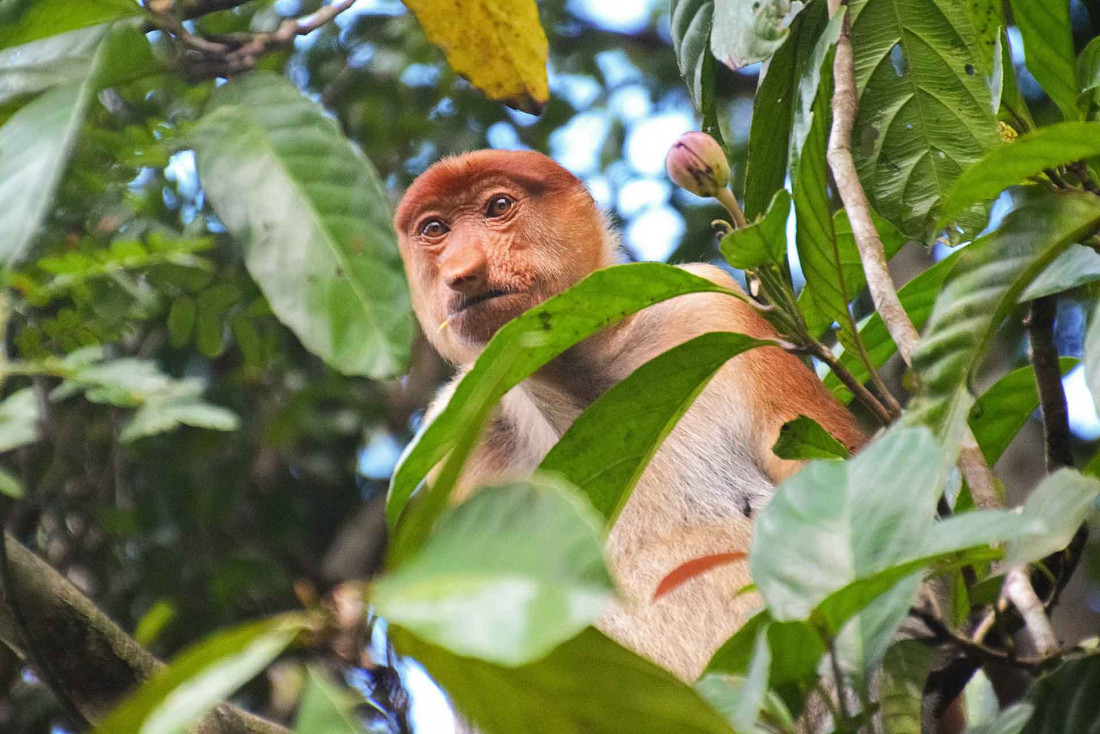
x=696, y=162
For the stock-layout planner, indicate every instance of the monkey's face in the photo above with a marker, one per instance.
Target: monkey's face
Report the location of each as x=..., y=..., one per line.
x=487, y=236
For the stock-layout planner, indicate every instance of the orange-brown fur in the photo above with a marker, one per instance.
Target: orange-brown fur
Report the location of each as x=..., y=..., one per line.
x=715, y=469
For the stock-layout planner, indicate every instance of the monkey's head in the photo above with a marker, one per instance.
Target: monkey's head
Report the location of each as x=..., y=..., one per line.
x=489, y=234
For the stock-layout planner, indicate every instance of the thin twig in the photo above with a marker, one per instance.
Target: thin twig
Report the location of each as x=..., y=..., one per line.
x=865, y=396
x=1017, y=589
x=1048, y=378
x=235, y=53
x=941, y=632
x=841, y=699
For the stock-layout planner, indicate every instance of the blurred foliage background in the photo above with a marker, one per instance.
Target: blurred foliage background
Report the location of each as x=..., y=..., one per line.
x=178, y=534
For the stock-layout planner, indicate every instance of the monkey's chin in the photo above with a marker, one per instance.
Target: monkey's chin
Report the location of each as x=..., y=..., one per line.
x=477, y=324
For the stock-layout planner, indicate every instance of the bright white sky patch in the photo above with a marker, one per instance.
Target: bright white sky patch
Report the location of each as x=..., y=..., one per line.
x=614, y=15
x=1083, y=420
x=577, y=145
x=649, y=141
x=655, y=233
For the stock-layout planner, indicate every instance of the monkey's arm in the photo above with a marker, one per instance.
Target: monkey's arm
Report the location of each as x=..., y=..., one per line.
x=777, y=386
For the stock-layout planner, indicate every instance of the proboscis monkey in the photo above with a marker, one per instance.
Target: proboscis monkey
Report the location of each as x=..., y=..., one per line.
x=486, y=236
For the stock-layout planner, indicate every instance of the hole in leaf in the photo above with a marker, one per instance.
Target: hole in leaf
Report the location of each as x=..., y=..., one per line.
x=897, y=58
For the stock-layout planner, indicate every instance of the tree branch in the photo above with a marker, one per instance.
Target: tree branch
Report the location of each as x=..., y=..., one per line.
x=93, y=659
x=971, y=461
x=1048, y=378
x=1017, y=589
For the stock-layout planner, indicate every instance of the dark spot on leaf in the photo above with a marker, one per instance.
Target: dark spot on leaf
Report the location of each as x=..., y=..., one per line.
x=339, y=272
x=544, y=320
x=970, y=69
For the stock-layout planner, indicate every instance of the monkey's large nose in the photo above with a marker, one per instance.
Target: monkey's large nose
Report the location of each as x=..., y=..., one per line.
x=465, y=268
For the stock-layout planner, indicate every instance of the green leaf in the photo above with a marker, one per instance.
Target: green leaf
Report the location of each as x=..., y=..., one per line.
x=770, y=127
x=18, y=420
x=1029, y=155
x=796, y=650
x=34, y=148
x=918, y=296
x=836, y=609
x=178, y=405
x=10, y=485
x=847, y=274
x=590, y=684
x=983, y=287
x=745, y=33
x=986, y=19
x=201, y=676
x=1048, y=48
x=724, y=694
x=925, y=111
x=1012, y=102
x=36, y=66
x=1077, y=266
x=212, y=306
x=803, y=439
x=761, y=242
x=1057, y=507
x=506, y=576
x=741, y=704
x=834, y=508
x=735, y=654
x=1010, y=721
x=1088, y=77
x=327, y=709
x=181, y=321
x=1004, y=408
x=905, y=669
x=825, y=292
x=313, y=220
x=608, y=447
x=44, y=18
x=1066, y=700
x=689, y=25
x=525, y=344
x=154, y=621
x=830, y=506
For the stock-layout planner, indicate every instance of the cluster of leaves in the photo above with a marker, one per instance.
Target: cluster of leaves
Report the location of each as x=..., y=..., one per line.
x=496, y=598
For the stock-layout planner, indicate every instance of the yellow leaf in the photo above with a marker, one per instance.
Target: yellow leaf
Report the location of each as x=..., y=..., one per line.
x=498, y=45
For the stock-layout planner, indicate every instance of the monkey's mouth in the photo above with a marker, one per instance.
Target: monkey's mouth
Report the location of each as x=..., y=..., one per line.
x=467, y=302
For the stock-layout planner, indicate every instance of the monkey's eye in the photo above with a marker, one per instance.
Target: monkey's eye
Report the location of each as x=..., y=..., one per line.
x=433, y=228
x=498, y=206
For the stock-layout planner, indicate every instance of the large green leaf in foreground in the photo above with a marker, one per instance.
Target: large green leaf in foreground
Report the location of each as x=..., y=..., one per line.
x=925, y=110
x=34, y=149
x=1048, y=49
x=506, y=576
x=524, y=345
x=1030, y=154
x=312, y=217
x=23, y=22
x=589, y=684
x=202, y=676
x=834, y=509
x=608, y=447
x=983, y=287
